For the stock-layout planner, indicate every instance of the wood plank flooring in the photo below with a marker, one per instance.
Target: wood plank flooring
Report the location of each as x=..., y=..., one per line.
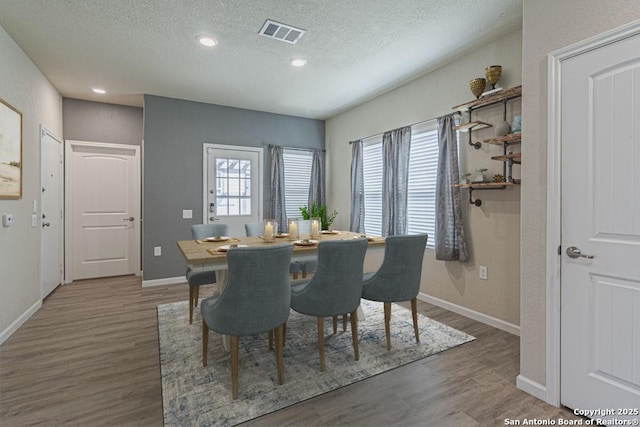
x=89, y=357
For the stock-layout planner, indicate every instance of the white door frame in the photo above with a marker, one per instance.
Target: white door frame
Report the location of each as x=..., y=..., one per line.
x=44, y=131
x=205, y=182
x=69, y=144
x=555, y=61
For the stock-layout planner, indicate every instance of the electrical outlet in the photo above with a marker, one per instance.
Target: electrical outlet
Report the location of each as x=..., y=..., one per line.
x=157, y=251
x=187, y=214
x=483, y=272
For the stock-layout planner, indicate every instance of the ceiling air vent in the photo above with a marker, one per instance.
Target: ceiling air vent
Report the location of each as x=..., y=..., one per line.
x=282, y=32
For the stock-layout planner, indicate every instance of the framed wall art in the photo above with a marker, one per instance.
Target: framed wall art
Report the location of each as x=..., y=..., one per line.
x=10, y=151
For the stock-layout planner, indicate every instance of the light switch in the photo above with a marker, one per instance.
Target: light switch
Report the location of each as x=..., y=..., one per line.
x=34, y=220
x=35, y=206
x=187, y=214
x=7, y=220
x=157, y=251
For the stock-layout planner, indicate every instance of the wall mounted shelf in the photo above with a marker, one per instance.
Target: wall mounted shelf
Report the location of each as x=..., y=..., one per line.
x=505, y=141
x=485, y=186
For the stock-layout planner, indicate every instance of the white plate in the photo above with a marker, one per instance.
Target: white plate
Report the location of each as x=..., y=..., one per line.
x=216, y=239
x=225, y=248
x=369, y=238
x=305, y=242
x=279, y=235
x=330, y=232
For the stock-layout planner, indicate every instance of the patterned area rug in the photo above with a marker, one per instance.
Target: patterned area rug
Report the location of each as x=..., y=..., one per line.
x=197, y=395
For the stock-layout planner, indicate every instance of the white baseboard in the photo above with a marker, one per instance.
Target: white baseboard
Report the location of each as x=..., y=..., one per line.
x=532, y=387
x=472, y=314
x=4, y=335
x=162, y=282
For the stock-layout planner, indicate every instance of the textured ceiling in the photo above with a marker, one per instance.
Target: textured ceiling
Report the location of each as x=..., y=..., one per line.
x=356, y=49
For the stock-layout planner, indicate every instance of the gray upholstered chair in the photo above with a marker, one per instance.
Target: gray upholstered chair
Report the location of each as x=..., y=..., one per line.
x=335, y=288
x=253, y=229
x=255, y=299
x=195, y=280
x=398, y=278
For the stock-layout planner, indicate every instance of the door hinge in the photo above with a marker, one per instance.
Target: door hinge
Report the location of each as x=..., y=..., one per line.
x=560, y=250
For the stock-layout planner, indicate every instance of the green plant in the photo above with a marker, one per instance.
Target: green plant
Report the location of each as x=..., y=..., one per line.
x=321, y=212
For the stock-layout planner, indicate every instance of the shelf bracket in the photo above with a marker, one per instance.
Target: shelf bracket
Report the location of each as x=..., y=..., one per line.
x=478, y=202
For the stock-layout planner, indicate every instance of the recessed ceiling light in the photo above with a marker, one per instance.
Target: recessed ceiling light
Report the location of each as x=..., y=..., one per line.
x=299, y=62
x=207, y=41
x=98, y=90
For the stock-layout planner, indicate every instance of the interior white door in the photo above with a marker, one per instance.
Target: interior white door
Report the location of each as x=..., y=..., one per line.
x=103, y=193
x=233, y=186
x=600, y=296
x=51, y=203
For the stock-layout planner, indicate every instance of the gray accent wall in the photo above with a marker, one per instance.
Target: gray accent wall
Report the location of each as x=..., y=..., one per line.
x=174, y=131
x=100, y=122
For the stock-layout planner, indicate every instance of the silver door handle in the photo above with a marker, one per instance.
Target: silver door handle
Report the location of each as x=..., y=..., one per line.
x=131, y=219
x=213, y=218
x=573, y=252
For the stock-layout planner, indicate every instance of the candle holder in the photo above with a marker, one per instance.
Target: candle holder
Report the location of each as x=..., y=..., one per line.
x=315, y=227
x=293, y=229
x=270, y=227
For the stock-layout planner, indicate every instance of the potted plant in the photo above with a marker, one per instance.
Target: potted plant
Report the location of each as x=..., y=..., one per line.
x=319, y=212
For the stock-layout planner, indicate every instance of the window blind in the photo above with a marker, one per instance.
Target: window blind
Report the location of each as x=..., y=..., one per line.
x=297, y=177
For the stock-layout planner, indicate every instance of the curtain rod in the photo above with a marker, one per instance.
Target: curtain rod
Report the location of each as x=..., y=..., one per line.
x=413, y=124
x=296, y=148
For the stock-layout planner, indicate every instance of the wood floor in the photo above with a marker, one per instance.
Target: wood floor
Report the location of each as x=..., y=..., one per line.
x=89, y=357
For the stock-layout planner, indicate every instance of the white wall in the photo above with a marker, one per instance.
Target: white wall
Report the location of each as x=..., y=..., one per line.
x=493, y=229
x=547, y=26
x=23, y=86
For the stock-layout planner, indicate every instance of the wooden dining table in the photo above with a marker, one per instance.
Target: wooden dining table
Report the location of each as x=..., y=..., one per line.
x=202, y=255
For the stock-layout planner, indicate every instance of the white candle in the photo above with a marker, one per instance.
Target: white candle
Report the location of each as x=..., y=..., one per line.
x=314, y=228
x=268, y=231
x=293, y=230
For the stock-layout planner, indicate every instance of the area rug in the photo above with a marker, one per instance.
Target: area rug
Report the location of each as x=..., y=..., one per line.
x=196, y=395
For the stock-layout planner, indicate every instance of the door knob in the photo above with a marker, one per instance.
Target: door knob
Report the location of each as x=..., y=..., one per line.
x=573, y=252
x=45, y=224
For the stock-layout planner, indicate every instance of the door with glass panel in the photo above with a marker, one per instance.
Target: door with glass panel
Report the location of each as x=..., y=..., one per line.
x=233, y=186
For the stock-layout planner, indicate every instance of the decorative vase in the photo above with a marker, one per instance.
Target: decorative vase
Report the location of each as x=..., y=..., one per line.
x=503, y=128
x=516, y=125
x=493, y=74
x=477, y=86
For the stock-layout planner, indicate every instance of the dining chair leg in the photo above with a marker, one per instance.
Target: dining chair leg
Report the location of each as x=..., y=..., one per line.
x=344, y=322
x=197, y=296
x=304, y=274
x=354, y=333
x=321, y=341
x=335, y=325
x=295, y=276
x=234, y=366
x=414, y=312
x=205, y=342
x=191, y=292
x=284, y=334
x=279, y=356
x=270, y=340
x=387, y=320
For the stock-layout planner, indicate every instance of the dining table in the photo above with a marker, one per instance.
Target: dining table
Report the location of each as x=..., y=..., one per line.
x=211, y=253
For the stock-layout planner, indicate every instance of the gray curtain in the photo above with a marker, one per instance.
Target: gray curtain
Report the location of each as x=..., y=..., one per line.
x=449, y=239
x=357, y=188
x=278, y=211
x=396, y=145
x=316, y=186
